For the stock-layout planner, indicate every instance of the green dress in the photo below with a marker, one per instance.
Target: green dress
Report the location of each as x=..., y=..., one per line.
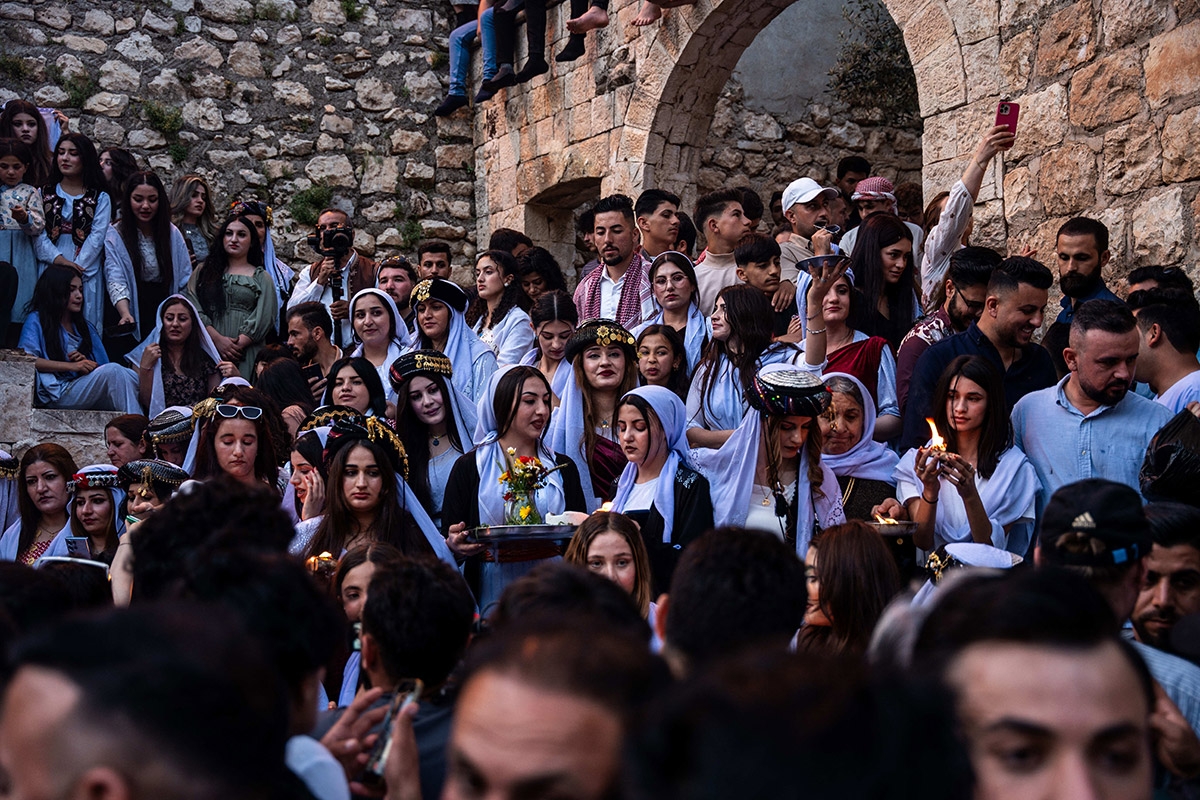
x=250, y=308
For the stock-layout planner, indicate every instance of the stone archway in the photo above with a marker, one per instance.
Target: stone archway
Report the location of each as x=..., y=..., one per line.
x=1105, y=113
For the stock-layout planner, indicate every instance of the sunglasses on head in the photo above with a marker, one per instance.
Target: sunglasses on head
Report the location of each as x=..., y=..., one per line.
x=246, y=412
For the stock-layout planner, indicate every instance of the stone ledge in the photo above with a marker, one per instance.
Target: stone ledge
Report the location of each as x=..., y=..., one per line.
x=22, y=426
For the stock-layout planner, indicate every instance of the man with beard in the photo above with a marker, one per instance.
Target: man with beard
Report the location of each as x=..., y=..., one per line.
x=621, y=290
x=1170, y=589
x=1082, y=248
x=1012, y=311
x=966, y=292
x=1090, y=425
x=308, y=326
x=397, y=277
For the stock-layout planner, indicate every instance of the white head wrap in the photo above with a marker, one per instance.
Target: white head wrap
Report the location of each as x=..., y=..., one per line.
x=868, y=459
x=134, y=357
x=672, y=415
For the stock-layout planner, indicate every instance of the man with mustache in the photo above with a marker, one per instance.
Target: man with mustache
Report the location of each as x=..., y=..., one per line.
x=1090, y=425
x=1082, y=249
x=1012, y=310
x=1170, y=588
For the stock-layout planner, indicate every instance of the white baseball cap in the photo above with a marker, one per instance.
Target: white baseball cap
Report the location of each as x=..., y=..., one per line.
x=805, y=190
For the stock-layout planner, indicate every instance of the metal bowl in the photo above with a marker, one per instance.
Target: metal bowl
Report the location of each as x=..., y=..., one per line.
x=496, y=534
x=821, y=262
x=898, y=528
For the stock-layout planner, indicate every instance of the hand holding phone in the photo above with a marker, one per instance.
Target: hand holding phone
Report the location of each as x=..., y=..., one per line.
x=79, y=547
x=1007, y=113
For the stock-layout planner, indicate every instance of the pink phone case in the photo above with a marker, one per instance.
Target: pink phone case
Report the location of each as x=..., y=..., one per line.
x=1007, y=113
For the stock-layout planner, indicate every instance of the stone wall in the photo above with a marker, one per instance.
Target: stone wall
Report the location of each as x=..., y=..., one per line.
x=22, y=426
x=276, y=96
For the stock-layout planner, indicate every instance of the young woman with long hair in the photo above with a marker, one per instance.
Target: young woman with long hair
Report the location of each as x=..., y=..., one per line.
x=77, y=207
x=979, y=488
x=883, y=268
x=852, y=352
x=380, y=333
x=439, y=306
x=309, y=475
x=178, y=363
x=96, y=508
x=851, y=578
x=539, y=273
x=238, y=443
x=353, y=382
x=73, y=370
x=367, y=498
x=21, y=223
x=235, y=295
x=609, y=544
x=498, y=313
x=662, y=359
x=768, y=475
x=21, y=120
x=194, y=213
x=281, y=274
x=512, y=419
x=42, y=501
x=742, y=330
x=554, y=318
x=584, y=426
x=659, y=489
x=434, y=420
x=677, y=292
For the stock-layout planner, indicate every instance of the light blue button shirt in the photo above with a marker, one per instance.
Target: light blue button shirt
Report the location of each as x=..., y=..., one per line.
x=1065, y=446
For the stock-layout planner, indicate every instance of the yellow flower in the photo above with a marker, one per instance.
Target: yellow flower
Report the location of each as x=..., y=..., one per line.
x=525, y=512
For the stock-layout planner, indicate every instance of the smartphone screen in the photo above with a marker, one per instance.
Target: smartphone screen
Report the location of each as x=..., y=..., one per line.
x=1007, y=113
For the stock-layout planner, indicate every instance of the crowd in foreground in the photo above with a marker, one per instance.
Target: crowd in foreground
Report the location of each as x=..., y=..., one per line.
x=832, y=512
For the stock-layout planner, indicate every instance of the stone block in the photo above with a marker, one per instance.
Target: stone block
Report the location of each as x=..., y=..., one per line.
x=1156, y=223
x=336, y=125
x=1067, y=179
x=418, y=174
x=199, y=50
x=762, y=127
x=1017, y=57
x=225, y=159
x=1131, y=157
x=222, y=33
x=117, y=76
x=50, y=96
x=289, y=35
x=1173, y=64
x=71, y=67
x=380, y=174
x=941, y=78
x=81, y=432
x=203, y=114
x=1020, y=194
x=293, y=94
x=1181, y=146
x=245, y=59
x=106, y=133
x=163, y=26
x=54, y=16
x=327, y=143
x=1124, y=21
x=927, y=31
x=16, y=11
x=438, y=229
x=226, y=10
x=145, y=139
x=97, y=21
x=166, y=86
x=974, y=20
x=410, y=20
x=1106, y=91
x=1067, y=39
x=107, y=103
x=209, y=84
x=17, y=378
x=453, y=156
x=373, y=94
x=408, y=141
x=423, y=87
x=980, y=60
x=332, y=170
x=83, y=44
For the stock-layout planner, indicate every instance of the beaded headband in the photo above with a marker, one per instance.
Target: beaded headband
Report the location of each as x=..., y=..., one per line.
x=418, y=362
x=9, y=468
x=344, y=432
x=253, y=208
x=93, y=480
x=170, y=426
x=325, y=416
x=602, y=333
x=791, y=392
x=150, y=471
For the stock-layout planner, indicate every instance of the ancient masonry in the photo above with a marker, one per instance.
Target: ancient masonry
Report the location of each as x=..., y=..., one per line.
x=276, y=98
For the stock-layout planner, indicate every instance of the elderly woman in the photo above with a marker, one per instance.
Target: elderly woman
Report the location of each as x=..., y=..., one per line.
x=769, y=475
x=862, y=465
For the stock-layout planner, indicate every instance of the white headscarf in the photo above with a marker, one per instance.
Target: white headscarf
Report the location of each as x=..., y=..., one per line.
x=566, y=433
x=491, y=462
x=400, y=342
x=731, y=469
x=868, y=459
x=157, y=399
x=673, y=417
x=117, y=493
x=463, y=348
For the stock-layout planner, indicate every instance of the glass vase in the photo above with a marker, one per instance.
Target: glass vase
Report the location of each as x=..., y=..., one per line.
x=522, y=509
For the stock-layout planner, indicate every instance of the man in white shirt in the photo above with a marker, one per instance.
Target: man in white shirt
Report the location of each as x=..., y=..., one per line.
x=1168, y=322
x=333, y=284
x=621, y=290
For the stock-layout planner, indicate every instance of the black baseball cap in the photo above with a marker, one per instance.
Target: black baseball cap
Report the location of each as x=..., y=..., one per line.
x=1108, y=516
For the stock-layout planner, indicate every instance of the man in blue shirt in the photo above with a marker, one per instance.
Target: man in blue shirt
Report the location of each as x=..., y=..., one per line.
x=1082, y=248
x=1016, y=299
x=1090, y=425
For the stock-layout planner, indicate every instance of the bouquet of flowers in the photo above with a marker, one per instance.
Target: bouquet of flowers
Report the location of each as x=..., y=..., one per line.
x=525, y=475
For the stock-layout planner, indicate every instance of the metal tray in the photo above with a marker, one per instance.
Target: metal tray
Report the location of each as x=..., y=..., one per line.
x=901, y=528
x=494, y=534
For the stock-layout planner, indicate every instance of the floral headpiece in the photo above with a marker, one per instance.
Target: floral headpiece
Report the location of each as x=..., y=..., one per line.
x=441, y=290
x=602, y=333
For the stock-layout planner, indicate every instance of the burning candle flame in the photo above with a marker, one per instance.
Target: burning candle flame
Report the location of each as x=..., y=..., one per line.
x=936, y=442
x=605, y=507
x=882, y=520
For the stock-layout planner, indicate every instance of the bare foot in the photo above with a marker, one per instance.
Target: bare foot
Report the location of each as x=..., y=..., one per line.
x=589, y=20
x=650, y=13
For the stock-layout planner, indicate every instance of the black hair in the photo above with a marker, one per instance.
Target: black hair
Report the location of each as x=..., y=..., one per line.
x=585, y=223
x=160, y=226
x=973, y=266
x=685, y=265
x=42, y=159
x=513, y=296
x=752, y=204
x=1047, y=607
x=202, y=519
x=18, y=150
x=1173, y=310
x=1165, y=277
x=210, y=287
x=877, y=232
x=202, y=705
x=853, y=164
x=649, y=201
x=92, y=175
x=313, y=314
x=31, y=598
x=615, y=202
x=554, y=306
x=269, y=354
x=414, y=434
x=687, y=233
x=420, y=613
x=193, y=360
x=1015, y=270
x=123, y=165
x=734, y=588
x=49, y=300
x=748, y=317
x=508, y=395
x=909, y=197
x=365, y=370
x=678, y=382
x=1056, y=339
x=277, y=602
x=540, y=261
x=283, y=381
x=755, y=248
x=1110, y=316
x=1085, y=226
x=995, y=436
x=750, y=726
x=714, y=204
x=433, y=246
x=1173, y=524
x=507, y=239
x=132, y=427
x=558, y=589
x=391, y=262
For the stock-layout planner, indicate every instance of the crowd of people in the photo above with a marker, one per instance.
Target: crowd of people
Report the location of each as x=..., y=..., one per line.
x=838, y=523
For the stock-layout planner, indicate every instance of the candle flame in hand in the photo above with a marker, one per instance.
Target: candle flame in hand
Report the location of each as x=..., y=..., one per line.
x=936, y=442
x=882, y=520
